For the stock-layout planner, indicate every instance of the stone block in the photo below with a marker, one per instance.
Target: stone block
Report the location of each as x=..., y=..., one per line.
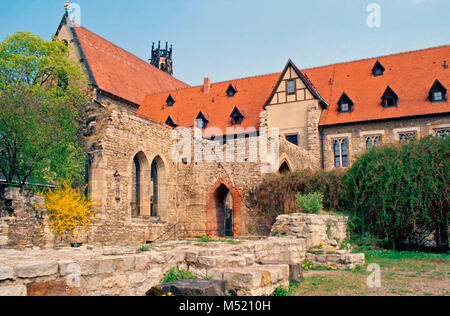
x=193, y=288
x=207, y=262
x=106, y=265
x=7, y=273
x=141, y=262
x=58, y=288
x=68, y=267
x=136, y=278
x=125, y=263
x=242, y=279
x=191, y=257
x=36, y=269
x=13, y=290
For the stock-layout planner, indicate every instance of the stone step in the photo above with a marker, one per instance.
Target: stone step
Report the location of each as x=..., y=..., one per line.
x=256, y=280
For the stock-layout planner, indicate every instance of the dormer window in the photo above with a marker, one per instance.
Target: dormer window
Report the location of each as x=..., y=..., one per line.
x=231, y=91
x=170, y=101
x=171, y=122
x=236, y=117
x=378, y=69
x=389, y=98
x=438, y=92
x=345, y=104
x=201, y=121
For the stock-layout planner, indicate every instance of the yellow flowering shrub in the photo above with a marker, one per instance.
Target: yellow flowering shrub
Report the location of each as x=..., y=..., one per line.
x=70, y=211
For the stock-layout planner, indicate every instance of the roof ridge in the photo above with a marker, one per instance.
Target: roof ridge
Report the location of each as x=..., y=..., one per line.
x=382, y=56
x=75, y=26
x=214, y=83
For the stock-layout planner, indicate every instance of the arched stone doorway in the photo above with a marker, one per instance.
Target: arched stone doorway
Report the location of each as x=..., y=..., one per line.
x=223, y=201
x=158, y=188
x=284, y=168
x=223, y=211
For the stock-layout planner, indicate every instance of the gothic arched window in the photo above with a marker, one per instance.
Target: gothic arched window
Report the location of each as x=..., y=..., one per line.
x=341, y=153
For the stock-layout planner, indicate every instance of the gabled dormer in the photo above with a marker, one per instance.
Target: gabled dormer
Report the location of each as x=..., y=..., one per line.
x=438, y=93
x=378, y=70
x=231, y=91
x=171, y=122
x=345, y=104
x=236, y=117
x=293, y=86
x=170, y=101
x=201, y=121
x=389, y=98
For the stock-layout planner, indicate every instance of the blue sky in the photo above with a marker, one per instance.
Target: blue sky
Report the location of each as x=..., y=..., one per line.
x=227, y=39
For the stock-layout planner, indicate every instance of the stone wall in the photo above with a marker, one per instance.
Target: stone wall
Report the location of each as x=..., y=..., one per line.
x=22, y=224
x=324, y=235
x=121, y=271
x=387, y=131
x=315, y=229
x=187, y=200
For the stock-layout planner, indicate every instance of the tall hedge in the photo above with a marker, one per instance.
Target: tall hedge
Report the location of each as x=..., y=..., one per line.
x=276, y=194
x=400, y=194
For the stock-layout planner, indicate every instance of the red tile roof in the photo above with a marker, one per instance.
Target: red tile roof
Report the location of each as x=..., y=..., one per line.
x=252, y=93
x=119, y=72
x=410, y=75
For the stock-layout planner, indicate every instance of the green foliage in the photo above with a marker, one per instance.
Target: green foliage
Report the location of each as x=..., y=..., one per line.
x=310, y=203
x=399, y=195
x=280, y=291
x=41, y=93
x=175, y=274
x=277, y=194
x=143, y=249
x=207, y=239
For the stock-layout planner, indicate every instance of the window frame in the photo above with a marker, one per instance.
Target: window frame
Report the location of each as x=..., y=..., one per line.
x=341, y=154
x=373, y=139
x=287, y=136
x=294, y=86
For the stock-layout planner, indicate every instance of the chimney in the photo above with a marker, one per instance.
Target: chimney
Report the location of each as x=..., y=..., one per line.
x=206, y=85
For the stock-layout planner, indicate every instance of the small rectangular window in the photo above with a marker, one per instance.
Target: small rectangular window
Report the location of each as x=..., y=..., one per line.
x=438, y=96
x=390, y=102
x=291, y=86
x=292, y=139
x=344, y=107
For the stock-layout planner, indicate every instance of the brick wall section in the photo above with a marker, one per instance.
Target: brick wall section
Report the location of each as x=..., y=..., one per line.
x=357, y=133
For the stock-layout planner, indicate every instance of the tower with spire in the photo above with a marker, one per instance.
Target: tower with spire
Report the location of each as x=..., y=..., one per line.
x=162, y=58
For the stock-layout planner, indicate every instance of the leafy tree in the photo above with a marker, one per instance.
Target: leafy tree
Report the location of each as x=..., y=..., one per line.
x=42, y=92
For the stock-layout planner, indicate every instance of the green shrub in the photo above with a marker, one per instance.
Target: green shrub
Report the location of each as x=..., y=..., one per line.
x=310, y=203
x=277, y=194
x=175, y=274
x=280, y=291
x=143, y=249
x=205, y=239
x=399, y=195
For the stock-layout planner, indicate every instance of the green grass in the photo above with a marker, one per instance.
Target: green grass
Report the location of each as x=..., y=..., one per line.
x=402, y=273
x=143, y=249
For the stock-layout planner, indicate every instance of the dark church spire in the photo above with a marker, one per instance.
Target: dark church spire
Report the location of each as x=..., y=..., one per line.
x=162, y=58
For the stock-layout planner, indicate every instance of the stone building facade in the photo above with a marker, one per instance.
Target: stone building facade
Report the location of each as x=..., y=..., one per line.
x=318, y=118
